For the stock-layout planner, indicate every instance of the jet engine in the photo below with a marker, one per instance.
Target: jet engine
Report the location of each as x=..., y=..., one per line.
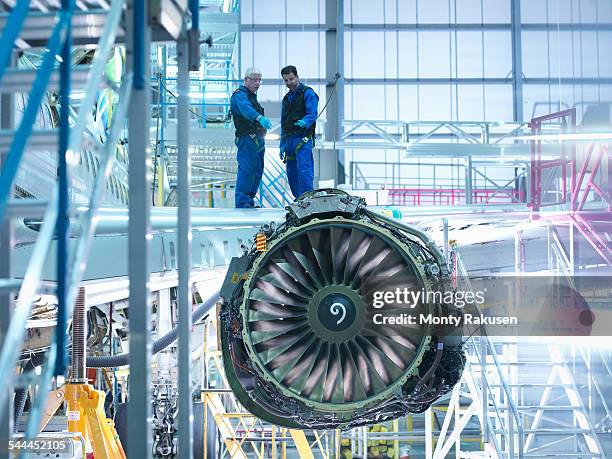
x=300, y=345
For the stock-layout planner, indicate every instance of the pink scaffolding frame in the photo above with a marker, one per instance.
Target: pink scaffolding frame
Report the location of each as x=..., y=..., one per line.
x=585, y=222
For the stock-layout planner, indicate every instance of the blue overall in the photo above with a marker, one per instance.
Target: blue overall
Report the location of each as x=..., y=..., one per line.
x=250, y=169
x=250, y=143
x=299, y=143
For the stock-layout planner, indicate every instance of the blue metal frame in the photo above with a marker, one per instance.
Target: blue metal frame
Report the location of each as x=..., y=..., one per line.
x=194, y=9
x=22, y=134
x=139, y=37
x=63, y=215
x=10, y=34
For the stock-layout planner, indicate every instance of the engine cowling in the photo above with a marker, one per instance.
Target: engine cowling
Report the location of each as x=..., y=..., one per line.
x=299, y=342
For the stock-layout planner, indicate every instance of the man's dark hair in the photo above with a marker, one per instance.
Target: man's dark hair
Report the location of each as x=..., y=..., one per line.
x=289, y=69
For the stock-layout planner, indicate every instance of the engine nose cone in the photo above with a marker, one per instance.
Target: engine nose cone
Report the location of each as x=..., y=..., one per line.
x=336, y=312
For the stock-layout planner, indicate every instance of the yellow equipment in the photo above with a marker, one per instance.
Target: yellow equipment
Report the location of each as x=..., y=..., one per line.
x=85, y=412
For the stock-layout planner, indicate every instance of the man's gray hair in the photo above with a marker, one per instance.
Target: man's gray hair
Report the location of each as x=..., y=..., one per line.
x=252, y=71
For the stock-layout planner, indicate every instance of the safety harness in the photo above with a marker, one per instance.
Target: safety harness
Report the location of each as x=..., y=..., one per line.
x=303, y=141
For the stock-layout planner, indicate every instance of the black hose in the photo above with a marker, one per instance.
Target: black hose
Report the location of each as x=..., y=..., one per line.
x=109, y=361
x=121, y=360
x=433, y=367
x=21, y=394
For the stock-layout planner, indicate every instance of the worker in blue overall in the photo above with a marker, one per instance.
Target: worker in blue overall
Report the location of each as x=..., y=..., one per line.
x=298, y=122
x=251, y=126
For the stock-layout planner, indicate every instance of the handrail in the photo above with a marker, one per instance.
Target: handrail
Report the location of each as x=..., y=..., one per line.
x=588, y=361
x=483, y=364
x=267, y=187
x=272, y=184
x=487, y=419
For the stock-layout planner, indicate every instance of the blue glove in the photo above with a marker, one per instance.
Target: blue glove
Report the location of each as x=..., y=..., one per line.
x=281, y=154
x=301, y=123
x=265, y=123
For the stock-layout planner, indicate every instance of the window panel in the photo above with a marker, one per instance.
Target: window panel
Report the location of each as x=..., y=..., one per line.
x=561, y=64
x=454, y=102
x=586, y=94
x=368, y=102
x=468, y=11
x=589, y=53
x=434, y=102
x=368, y=55
x=367, y=12
x=497, y=53
x=604, y=11
x=348, y=54
x=605, y=63
x=588, y=11
x=391, y=7
x=392, y=103
x=470, y=106
x=406, y=12
x=469, y=54
x=303, y=12
x=307, y=63
x=269, y=12
x=433, y=11
x=536, y=101
x=408, y=103
x=535, y=54
x=605, y=91
x=322, y=54
x=407, y=54
x=434, y=54
x=563, y=96
x=246, y=11
x=246, y=51
x=533, y=11
x=576, y=54
x=348, y=102
x=560, y=11
x=498, y=102
x=496, y=11
x=266, y=53
x=391, y=55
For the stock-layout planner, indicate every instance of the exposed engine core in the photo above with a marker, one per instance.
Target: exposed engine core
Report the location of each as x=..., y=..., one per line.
x=299, y=343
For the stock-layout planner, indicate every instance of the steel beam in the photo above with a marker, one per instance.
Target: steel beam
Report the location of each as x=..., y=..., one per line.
x=7, y=121
x=330, y=162
x=517, y=62
x=390, y=27
x=185, y=443
x=139, y=404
